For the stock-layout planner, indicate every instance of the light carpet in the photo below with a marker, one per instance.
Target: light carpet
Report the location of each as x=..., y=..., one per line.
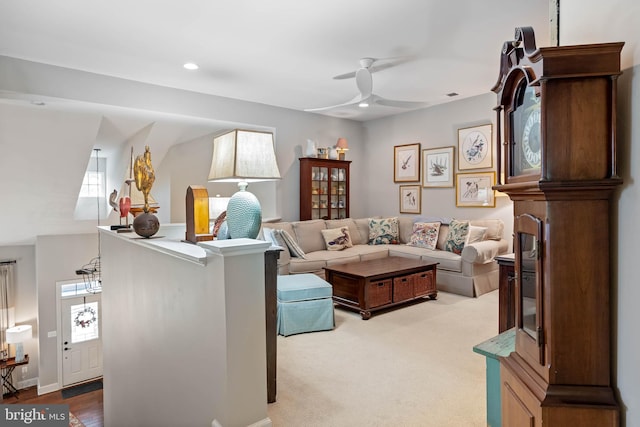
x=408, y=366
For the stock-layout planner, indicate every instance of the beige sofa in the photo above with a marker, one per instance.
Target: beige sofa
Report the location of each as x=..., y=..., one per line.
x=472, y=273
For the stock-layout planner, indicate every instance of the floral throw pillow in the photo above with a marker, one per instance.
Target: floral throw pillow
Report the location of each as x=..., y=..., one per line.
x=457, y=236
x=383, y=231
x=425, y=235
x=337, y=239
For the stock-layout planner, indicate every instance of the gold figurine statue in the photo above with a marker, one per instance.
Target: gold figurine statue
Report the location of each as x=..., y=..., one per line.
x=144, y=175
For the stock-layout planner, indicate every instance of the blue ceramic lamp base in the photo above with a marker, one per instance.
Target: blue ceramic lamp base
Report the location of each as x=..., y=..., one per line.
x=244, y=214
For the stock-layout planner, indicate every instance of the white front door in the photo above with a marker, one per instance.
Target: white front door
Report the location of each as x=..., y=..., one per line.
x=81, y=338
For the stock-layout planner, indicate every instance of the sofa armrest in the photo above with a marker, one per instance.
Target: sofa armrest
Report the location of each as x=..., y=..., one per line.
x=484, y=252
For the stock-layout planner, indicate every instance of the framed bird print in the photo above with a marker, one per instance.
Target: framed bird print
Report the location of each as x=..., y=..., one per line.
x=475, y=190
x=438, y=167
x=474, y=148
x=406, y=163
x=410, y=199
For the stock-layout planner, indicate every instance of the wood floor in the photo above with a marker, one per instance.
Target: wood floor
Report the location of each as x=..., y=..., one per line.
x=86, y=407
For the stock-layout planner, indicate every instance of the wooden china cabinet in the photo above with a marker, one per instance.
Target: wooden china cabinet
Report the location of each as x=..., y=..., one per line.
x=324, y=188
x=557, y=106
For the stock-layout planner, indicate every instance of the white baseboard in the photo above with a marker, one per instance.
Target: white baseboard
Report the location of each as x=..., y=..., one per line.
x=49, y=388
x=26, y=383
x=265, y=422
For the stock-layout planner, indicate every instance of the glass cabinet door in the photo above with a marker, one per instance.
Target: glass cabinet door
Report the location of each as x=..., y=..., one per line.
x=319, y=193
x=528, y=247
x=338, y=203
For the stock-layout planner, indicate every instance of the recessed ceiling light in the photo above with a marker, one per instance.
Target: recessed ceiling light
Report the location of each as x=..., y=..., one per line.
x=191, y=66
x=452, y=94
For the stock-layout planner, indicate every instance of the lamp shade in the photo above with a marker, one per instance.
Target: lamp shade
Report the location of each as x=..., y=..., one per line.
x=19, y=334
x=243, y=156
x=342, y=144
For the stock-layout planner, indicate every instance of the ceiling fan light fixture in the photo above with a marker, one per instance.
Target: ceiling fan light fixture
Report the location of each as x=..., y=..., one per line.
x=363, y=104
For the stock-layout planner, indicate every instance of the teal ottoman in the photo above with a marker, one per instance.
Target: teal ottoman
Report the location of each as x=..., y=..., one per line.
x=305, y=304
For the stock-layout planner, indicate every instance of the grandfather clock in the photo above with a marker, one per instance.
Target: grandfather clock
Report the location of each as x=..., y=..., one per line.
x=557, y=106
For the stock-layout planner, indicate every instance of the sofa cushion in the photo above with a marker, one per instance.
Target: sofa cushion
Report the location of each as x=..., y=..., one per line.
x=383, y=231
x=425, y=235
x=353, y=229
x=456, y=236
x=442, y=236
x=294, y=249
x=366, y=252
x=475, y=234
x=273, y=236
x=337, y=239
x=280, y=226
x=308, y=236
x=446, y=260
x=495, y=228
x=362, y=224
x=315, y=261
x=299, y=265
x=405, y=228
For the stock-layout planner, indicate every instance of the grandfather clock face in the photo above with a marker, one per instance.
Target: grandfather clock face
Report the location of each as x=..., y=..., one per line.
x=526, y=149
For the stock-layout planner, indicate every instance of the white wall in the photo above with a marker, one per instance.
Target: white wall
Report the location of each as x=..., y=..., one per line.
x=26, y=306
x=591, y=21
x=57, y=258
x=431, y=127
x=186, y=333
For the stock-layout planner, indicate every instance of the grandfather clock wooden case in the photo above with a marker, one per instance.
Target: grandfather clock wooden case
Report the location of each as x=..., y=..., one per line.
x=557, y=106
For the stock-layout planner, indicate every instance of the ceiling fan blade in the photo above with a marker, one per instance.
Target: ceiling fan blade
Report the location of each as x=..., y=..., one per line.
x=376, y=64
x=373, y=69
x=398, y=104
x=364, y=82
x=350, y=75
x=354, y=101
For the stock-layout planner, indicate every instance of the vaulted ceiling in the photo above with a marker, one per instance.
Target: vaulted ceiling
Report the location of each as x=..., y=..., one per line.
x=284, y=52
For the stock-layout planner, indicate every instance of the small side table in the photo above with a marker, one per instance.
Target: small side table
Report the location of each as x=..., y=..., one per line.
x=506, y=293
x=6, y=369
x=499, y=346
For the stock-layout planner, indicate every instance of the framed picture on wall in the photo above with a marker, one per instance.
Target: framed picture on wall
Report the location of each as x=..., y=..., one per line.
x=474, y=189
x=437, y=167
x=475, y=148
x=406, y=163
x=410, y=199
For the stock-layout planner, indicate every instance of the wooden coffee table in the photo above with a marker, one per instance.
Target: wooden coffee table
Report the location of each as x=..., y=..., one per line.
x=380, y=283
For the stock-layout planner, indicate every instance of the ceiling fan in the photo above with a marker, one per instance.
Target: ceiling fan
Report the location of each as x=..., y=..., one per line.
x=366, y=97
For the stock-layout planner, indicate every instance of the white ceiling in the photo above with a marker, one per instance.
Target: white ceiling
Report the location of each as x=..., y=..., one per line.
x=280, y=52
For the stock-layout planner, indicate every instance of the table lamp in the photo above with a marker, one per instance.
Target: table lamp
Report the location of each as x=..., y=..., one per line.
x=342, y=146
x=217, y=205
x=17, y=335
x=243, y=156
